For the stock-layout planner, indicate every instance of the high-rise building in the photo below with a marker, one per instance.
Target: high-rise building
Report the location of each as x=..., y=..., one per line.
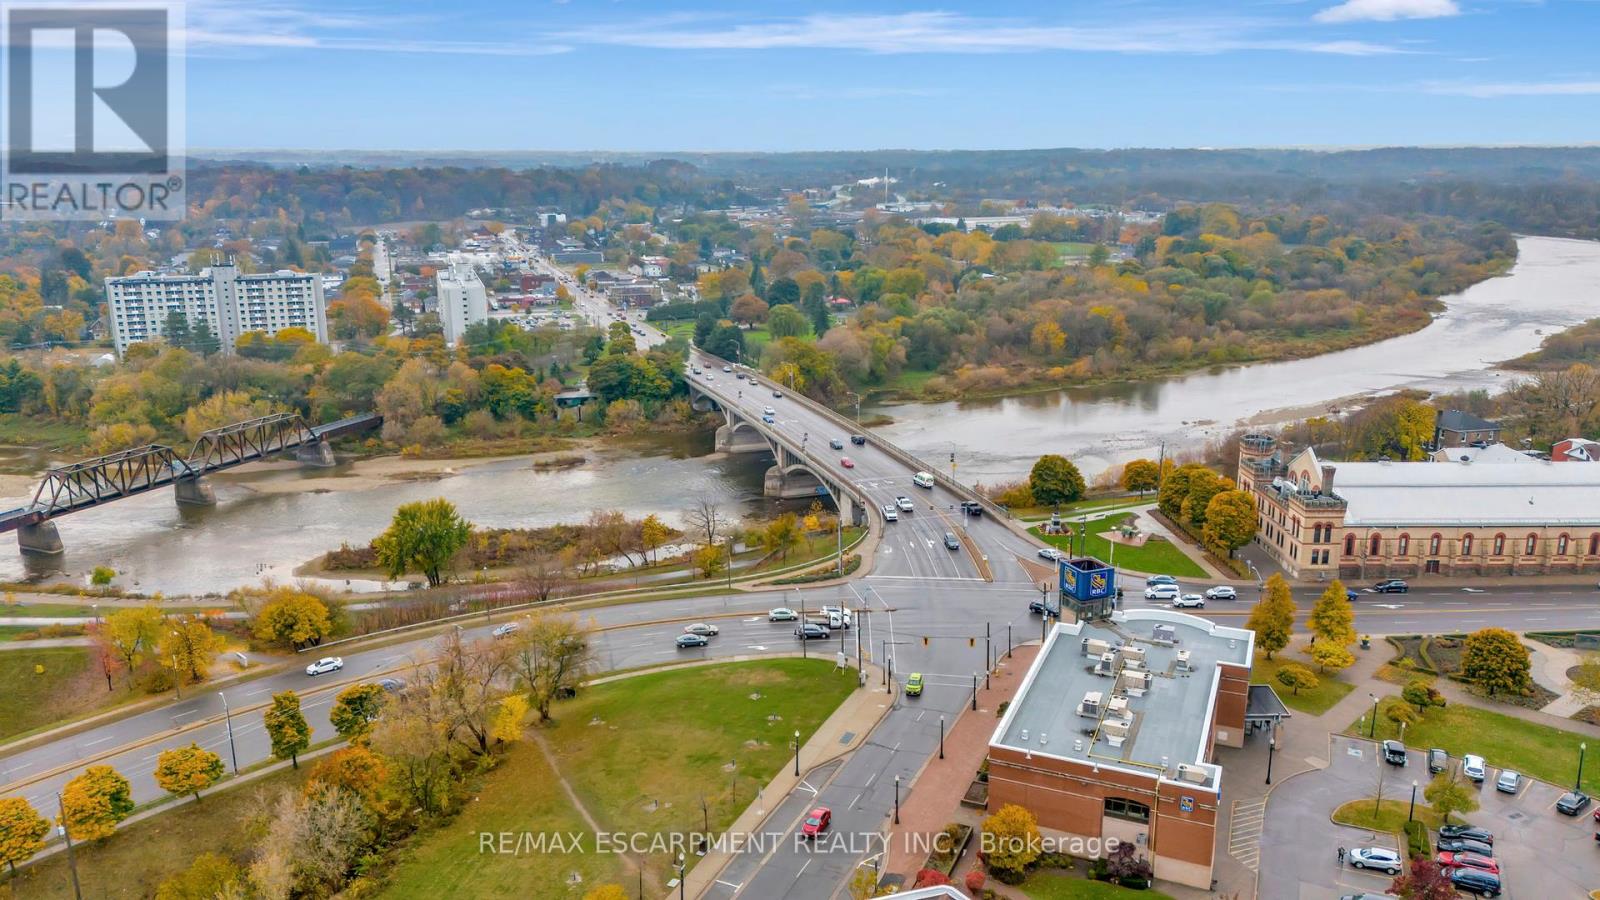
x=462, y=300
x=226, y=302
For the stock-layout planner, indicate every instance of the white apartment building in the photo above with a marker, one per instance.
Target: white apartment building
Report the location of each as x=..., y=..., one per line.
x=462, y=299
x=229, y=303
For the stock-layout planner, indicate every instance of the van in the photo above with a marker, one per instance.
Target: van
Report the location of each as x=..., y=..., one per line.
x=922, y=480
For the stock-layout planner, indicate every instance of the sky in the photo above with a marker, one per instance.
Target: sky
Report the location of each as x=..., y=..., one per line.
x=644, y=75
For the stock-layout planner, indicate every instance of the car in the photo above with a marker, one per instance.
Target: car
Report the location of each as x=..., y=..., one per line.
x=778, y=394
x=923, y=480
x=507, y=628
x=1394, y=753
x=782, y=614
x=838, y=616
x=1050, y=553
x=1160, y=579
x=836, y=444
x=1350, y=595
x=1381, y=858
x=1041, y=608
x=951, y=542
x=768, y=411
x=1466, y=832
x=768, y=419
x=1509, y=782
x=972, y=507
x=847, y=462
x=1163, y=592
x=710, y=377
x=1475, y=881
x=860, y=440
x=696, y=370
x=1472, y=767
x=1469, y=861
x=816, y=822
x=1222, y=592
x=905, y=504
x=1438, y=761
x=1572, y=803
x=325, y=665
x=1463, y=845
x=727, y=368
x=914, y=685
x=890, y=514
x=686, y=641
x=810, y=631
x=704, y=629
x=739, y=375
x=1391, y=586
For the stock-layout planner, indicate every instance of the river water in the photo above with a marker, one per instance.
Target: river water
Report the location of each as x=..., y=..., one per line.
x=1555, y=284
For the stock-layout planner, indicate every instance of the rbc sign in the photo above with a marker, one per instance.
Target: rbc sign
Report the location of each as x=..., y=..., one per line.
x=1087, y=579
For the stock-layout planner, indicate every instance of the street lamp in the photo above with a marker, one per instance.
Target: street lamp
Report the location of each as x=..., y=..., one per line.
x=1581, y=748
x=1272, y=744
x=897, y=799
x=1372, y=730
x=1411, y=813
x=941, y=737
x=797, y=753
x=227, y=715
x=974, y=691
x=681, y=868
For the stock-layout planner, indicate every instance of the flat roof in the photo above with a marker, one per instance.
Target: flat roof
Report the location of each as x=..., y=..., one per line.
x=1166, y=724
x=1470, y=493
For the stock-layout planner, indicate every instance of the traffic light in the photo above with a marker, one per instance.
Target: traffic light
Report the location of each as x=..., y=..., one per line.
x=924, y=640
x=972, y=642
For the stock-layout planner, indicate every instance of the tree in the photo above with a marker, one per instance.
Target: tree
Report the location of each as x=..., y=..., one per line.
x=1331, y=618
x=1421, y=694
x=1230, y=521
x=1012, y=840
x=1055, y=480
x=102, y=576
x=292, y=618
x=209, y=877
x=1140, y=475
x=786, y=321
x=1331, y=656
x=1586, y=680
x=130, y=634
x=188, y=642
x=748, y=310
x=710, y=560
x=355, y=769
x=1296, y=677
x=355, y=709
x=1272, y=618
x=22, y=832
x=287, y=727
x=94, y=802
x=551, y=657
x=781, y=535
x=1203, y=485
x=188, y=770
x=706, y=521
x=863, y=883
x=1448, y=795
x=411, y=739
x=423, y=536
x=506, y=725
x=1495, y=660
x=653, y=533
x=1427, y=880
x=1175, y=488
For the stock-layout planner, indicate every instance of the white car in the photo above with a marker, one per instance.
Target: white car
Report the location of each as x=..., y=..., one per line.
x=1222, y=592
x=1167, y=593
x=768, y=411
x=507, y=628
x=1472, y=767
x=1190, y=601
x=701, y=628
x=325, y=665
x=1381, y=858
x=905, y=504
x=1050, y=553
x=782, y=614
x=890, y=514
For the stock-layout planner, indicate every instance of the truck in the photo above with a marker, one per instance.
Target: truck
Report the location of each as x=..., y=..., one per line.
x=831, y=618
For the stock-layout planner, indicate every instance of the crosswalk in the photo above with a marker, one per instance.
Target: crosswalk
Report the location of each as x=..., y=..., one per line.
x=1244, y=832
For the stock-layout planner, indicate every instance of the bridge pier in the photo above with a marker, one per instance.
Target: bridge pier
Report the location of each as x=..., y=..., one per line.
x=193, y=492
x=41, y=539
x=740, y=440
x=318, y=453
x=794, y=485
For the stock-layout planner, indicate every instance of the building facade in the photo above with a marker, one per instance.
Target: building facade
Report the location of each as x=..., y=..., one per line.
x=1514, y=516
x=462, y=300
x=1454, y=428
x=228, y=303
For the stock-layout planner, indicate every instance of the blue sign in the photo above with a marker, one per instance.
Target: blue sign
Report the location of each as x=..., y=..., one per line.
x=1186, y=804
x=1087, y=578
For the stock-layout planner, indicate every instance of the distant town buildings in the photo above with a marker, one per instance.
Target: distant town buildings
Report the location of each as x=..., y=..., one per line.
x=1575, y=449
x=462, y=299
x=228, y=303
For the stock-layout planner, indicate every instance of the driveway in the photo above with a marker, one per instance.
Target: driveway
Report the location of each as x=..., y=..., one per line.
x=1542, y=853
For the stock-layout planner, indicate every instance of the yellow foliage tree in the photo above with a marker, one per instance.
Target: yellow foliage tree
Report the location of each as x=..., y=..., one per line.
x=94, y=802
x=188, y=770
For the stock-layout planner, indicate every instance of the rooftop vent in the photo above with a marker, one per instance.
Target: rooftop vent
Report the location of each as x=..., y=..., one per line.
x=1194, y=774
x=1024, y=735
x=1115, y=732
x=1077, y=745
x=1043, y=739
x=1135, y=682
x=1118, y=708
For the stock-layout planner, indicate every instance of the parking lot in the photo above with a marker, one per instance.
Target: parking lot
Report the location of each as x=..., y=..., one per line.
x=1542, y=853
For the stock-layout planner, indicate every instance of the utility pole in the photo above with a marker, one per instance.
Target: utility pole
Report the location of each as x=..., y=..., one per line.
x=228, y=716
x=72, y=859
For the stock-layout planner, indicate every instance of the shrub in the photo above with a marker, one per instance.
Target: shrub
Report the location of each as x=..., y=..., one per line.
x=1421, y=694
x=102, y=576
x=974, y=881
x=1417, y=839
x=1000, y=710
x=930, y=878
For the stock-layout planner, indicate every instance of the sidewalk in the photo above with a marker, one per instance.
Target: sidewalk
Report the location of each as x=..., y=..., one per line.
x=79, y=641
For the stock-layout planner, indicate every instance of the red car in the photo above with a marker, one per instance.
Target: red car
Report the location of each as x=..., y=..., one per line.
x=847, y=462
x=1469, y=861
x=816, y=822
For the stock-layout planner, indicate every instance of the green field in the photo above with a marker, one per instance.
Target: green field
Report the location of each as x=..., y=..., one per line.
x=1317, y=700
x=1389, y=816
x=50, y=610
x=1158, y=556
x=641, y=754
x=1048, y=886
x=31, y=699
x=1503, y=741
x=1096, y=504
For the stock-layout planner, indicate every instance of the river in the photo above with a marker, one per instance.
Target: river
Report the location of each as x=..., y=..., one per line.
x=1552, y=286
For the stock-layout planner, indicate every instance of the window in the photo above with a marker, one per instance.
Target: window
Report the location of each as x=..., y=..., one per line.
x=1375, y=546
x=1131, y=810
x=1433, y=545
x=1594, y=545
x=1532, y=545
x=1405, y=545
x=1561, y=545
x=1499, y=545
x=1349, y=545
x=1466, y=545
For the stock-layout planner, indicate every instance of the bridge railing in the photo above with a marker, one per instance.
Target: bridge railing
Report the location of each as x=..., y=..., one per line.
x=108, y=477
x=234, y=444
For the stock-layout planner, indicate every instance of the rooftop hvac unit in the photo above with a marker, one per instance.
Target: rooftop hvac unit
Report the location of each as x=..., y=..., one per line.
x=1184, y=665
x=1118, y=709
x=1164, y=633
x=1131, y=653
x=1135, y=683
x=1094, y=646
x=1107, y=665
x=1194, y=774
x=1090, y=707
x=1132, y=665
x=1115, y=732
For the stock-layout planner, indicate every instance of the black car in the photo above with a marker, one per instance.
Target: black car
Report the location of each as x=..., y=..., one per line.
x=686, y=641
x=1462, y=845
x=1438, y=761
x=972, y=507
x=1572, y=803
x=1394, y=753
x=810, y=631
x=860, y=440
x=951, y=542
x=1038, y=608
x=1391, y=586
x=1475, y=881
x=1467, y=833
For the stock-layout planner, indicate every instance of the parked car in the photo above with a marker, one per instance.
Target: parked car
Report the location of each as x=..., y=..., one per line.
x=1381, y=858
x=1438, y=761
x=1391, y=586
x=1467, y=832
x=1160, y=579
x=1472, y=767
x=914, y=685
x=972, y=507
x=1469, y=861
x=507, y=628
x=1189, y=601
x=847, y=462
x=1050, y=553
x=816, y=822
x=1474, y=881
x=890, y=514
x=810, y=631
x=1222, y=592
x=782, y=614
x=704, y=629
x=836, y=444
x=905, y=504
x=686, y=641
x=1163, y=592
x=860, y=440
x=1462, y=845
x=1572, y=803
x=1509, y=782
x=325, y=665
x=951, y=542
x=392, y=685
x=1394, y=753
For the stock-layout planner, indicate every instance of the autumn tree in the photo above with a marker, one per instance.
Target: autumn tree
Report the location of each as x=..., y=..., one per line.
x=187, y=770
x=292, y=619
x=786, y=321
x=1426, y=880
x=189, y=644
x=748, y=310
x=550, y=657
x=1296, y=678
x=1585, y=679
x=1140, y=475
x=411, y=739
x=287, y=727
x=423, y=537
x=710, y=560
x=209, y=877
x=1419, y=693
x=1012, y=841
x=355, y=709
x=94, y=802
x=1175, y=488
x=1332, y=620
x=1448, y=796
x=1055, y=480
x=1328, y=655
x=22, y=832
x=1272, y=618
x=355, y=769
x=653, y=534
x=505, y=726
x=781, y=535
x=1495, y=660
x=1230, y=521
x=130, y=634
x=1204, y=484
x=465, y=682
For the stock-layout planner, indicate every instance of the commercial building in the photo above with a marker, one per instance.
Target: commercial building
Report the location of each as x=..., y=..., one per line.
x=226, y=302
x=462, y=299
x=1112, y=731
x=1494, y=513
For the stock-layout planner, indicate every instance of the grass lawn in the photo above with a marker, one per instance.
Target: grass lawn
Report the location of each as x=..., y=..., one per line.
x=51, y=610
x=641, y=753
x=68, y=687
x=1317, y=700
x=1389, y=816
x=909, y=382
x=1051, y=886
x=1073, y=248
x=1096, y=504
x=1157, y=556
x=1540, y=751
x=132, y=862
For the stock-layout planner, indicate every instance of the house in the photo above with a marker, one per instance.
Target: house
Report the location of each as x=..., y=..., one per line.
x=1575, y=449
x=1454, y=428
x=654, y=266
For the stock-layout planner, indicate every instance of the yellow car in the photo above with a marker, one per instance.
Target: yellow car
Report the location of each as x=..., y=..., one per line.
x=914, y=685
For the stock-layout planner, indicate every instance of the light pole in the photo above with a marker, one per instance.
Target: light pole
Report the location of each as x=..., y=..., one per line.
x=1272, y=744
x=974, y=691
x=1581, y=748
x=1372, y=730
x=227, y=716
x=681, y=868
x=1412, y=812
x=72, y=860
x=897, y=799
x=941, y=737
x=797, y=753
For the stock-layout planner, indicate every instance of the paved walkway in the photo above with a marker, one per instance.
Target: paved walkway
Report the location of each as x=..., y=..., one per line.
x=79, y=641
x=1550, y=665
